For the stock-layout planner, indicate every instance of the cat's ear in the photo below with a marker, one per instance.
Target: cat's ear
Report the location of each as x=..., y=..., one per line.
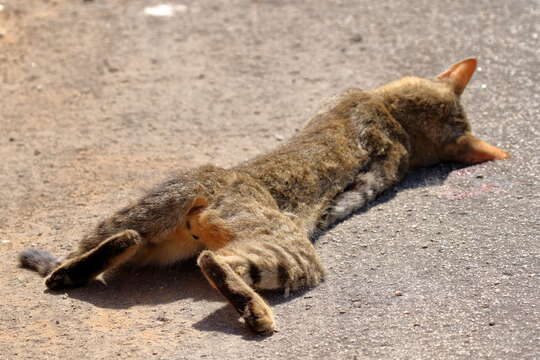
x=471, y=150
x=460, y=74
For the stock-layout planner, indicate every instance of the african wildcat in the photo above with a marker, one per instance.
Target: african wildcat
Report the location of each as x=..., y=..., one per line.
x=250, y=225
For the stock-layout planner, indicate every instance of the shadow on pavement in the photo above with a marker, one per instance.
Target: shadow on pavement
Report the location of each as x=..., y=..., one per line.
x=423, y=177
x=127, y=287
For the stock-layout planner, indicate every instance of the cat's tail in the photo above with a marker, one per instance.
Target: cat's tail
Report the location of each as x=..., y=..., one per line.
x=38, y=260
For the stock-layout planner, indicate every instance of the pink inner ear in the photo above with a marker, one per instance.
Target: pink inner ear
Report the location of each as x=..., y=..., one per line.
x=460, y=74
x=476, y=151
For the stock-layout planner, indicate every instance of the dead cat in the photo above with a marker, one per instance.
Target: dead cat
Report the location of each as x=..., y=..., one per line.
x=250, y=225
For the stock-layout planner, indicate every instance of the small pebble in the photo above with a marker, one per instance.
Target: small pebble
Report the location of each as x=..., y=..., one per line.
x=357, y=38
x=398, y=293
x=110, y=67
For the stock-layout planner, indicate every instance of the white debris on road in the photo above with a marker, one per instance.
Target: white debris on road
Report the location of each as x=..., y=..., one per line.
x=165, y=9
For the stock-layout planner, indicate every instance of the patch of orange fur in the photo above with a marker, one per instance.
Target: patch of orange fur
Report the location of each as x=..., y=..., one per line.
x=213, y=236
x=186, y=241
x=471, y=150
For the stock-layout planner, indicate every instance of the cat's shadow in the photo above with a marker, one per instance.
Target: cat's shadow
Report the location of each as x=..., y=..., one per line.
x=128, y=287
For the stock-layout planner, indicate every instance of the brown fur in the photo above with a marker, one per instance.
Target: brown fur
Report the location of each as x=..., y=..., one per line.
x=251, y=224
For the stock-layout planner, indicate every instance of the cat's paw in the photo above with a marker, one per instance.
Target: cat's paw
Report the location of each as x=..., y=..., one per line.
x=59, y=279
x=65, y=276
x=258, y=317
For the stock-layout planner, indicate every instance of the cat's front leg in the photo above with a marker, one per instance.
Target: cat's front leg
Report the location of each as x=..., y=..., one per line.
x=367, y=186
x=369, y=183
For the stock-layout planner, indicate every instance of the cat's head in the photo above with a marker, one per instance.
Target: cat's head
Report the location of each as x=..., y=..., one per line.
x=431, y=113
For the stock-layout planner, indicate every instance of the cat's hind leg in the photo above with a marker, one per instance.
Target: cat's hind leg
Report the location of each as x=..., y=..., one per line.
x=241, y=268
x=250, y=305
x=113, y=251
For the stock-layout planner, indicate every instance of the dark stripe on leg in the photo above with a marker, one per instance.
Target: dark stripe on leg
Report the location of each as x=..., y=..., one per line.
x=283, y=276
x=218, y=275
x=254, y=273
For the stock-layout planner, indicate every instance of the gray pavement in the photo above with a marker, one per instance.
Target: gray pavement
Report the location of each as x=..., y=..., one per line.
x=99, y=101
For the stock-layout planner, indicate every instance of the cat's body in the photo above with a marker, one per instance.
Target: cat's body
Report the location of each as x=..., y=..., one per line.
x=250, y=225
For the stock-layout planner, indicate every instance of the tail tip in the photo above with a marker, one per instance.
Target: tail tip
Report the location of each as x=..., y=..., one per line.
x=38, y=260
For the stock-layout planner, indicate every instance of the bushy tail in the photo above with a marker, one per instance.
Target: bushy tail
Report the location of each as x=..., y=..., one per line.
x=38, y=260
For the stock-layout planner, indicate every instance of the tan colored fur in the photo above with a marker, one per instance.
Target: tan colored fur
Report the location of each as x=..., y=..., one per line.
x=251, y=224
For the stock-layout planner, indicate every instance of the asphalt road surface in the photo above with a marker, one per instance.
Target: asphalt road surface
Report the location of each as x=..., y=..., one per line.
x=99, y=100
